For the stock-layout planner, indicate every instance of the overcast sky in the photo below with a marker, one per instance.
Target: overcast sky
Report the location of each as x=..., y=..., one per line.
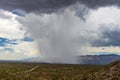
x=58, y=30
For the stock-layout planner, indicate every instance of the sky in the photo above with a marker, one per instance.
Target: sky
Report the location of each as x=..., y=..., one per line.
x=58, y=30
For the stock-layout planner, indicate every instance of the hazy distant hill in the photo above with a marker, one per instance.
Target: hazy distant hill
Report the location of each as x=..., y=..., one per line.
x=86, y=59
x=99, y=59
x=33, y=60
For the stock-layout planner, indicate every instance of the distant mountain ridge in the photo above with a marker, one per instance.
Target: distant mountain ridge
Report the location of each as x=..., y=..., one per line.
x=85, y=59
x=99, y=59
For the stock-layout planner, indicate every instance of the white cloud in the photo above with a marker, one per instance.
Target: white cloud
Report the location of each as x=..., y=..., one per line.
x=20, y=51
x=103, y=16
x=11, y=56
x=28, y=49
x=9, y=26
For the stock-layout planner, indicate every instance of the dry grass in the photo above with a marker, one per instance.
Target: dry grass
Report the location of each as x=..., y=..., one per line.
x=20, y=71
x=17, y=71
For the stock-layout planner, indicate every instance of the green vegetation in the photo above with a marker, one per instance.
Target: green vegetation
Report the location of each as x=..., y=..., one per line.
x=29, y=71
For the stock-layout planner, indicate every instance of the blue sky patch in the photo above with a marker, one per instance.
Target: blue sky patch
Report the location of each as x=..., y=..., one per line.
x=27, y=39
x=7, y=50
x=18, y=12
x=4, y=42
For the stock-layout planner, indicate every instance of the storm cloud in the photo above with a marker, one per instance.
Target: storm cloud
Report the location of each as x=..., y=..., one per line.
x=100, y=3
x=49, y=6
x=61, y=36
x=108, y=37
x=57, y=35
x=66, y=27
x=35, y=5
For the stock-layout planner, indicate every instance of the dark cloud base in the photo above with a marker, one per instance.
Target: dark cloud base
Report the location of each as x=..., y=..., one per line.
x=35, y=5
x=100, y=3
x=49, y=6
x=108, y=37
